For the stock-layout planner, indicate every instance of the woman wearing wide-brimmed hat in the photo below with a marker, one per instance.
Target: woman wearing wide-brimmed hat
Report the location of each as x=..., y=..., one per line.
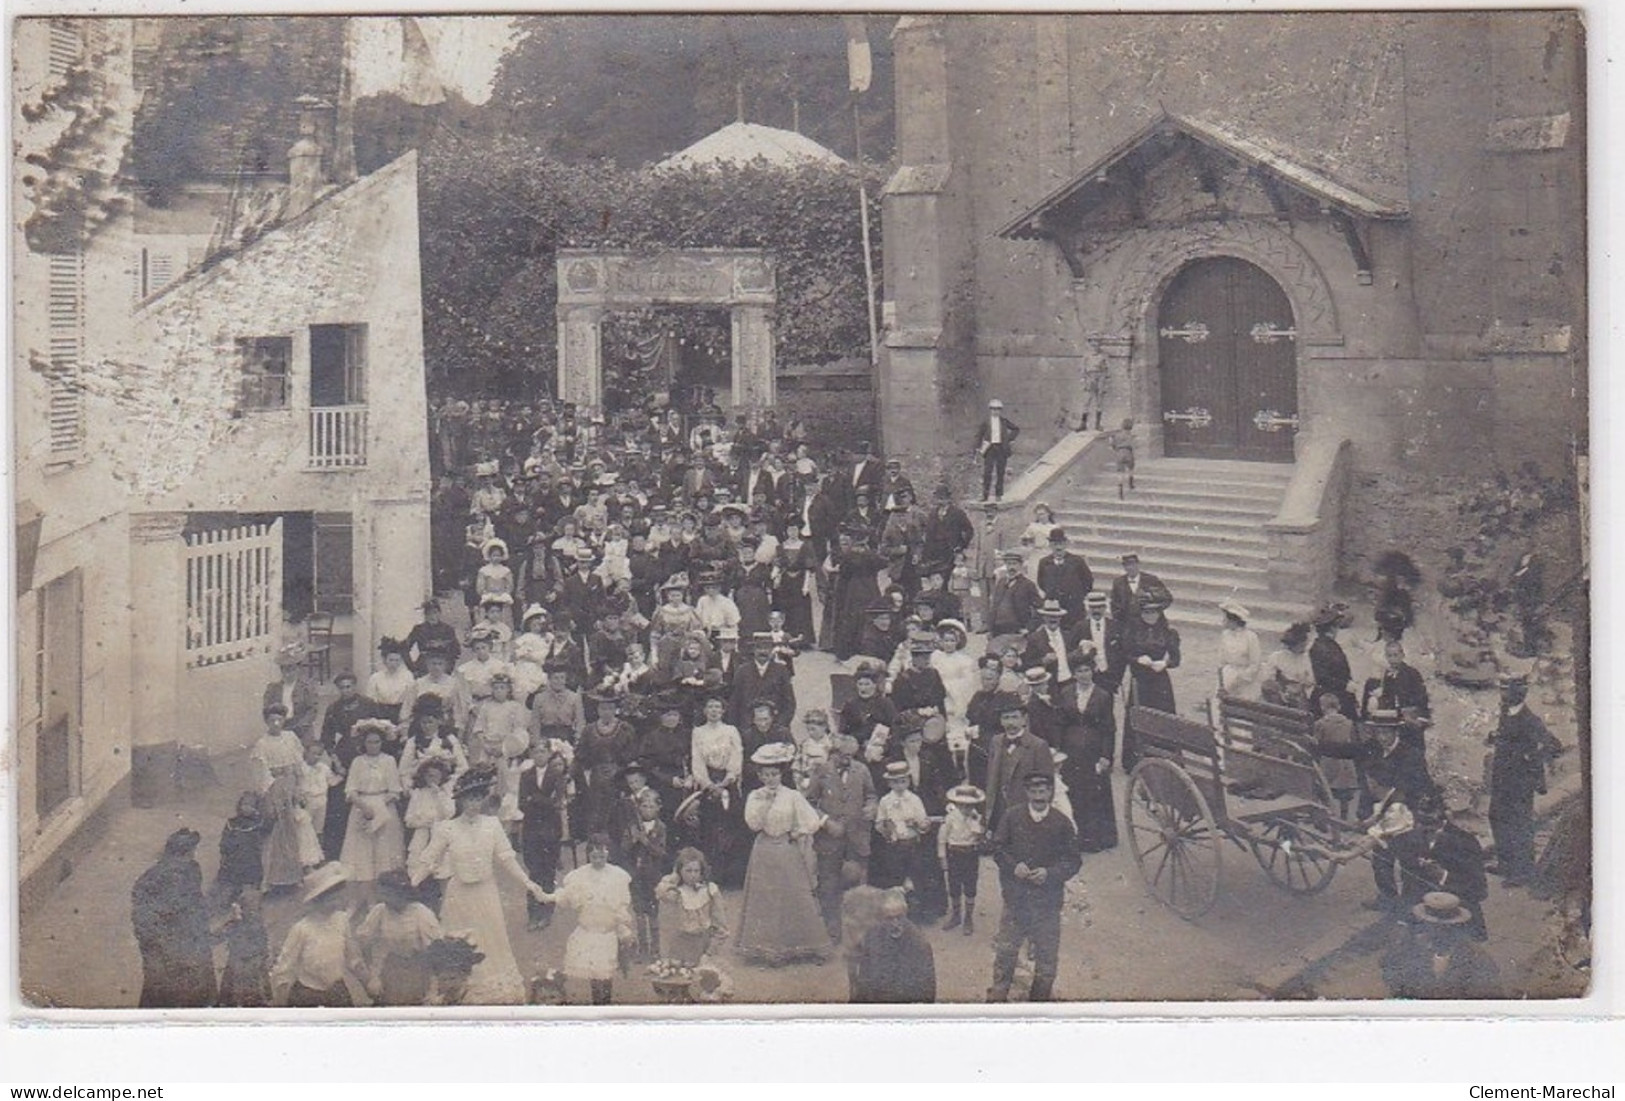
x=320, y=964
x=1240, y=661
x=278, y=759
x=476, y=848
x=779, y=919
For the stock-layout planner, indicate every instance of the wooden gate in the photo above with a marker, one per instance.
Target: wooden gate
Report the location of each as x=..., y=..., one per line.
x=233, y=593
x=1228, y=356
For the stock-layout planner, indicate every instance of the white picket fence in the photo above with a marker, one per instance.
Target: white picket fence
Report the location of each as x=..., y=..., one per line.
x=233, y=593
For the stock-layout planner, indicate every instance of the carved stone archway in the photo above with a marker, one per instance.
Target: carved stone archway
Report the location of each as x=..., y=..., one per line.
x=1145, y=261
x=593, y=282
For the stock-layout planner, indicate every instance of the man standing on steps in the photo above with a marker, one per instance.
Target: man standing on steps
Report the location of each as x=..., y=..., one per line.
x=1133, y=587
x=1065, y=578
x=993, y=440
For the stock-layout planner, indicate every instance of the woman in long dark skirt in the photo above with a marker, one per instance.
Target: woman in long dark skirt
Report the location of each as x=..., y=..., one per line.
x=856, y=588
x=1090, y=739
x=797, y=566
x=1151, y=650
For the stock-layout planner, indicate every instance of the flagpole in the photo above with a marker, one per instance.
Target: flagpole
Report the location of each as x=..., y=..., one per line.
x=868, y=256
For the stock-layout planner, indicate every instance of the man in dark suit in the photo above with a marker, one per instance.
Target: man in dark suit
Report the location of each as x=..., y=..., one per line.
x=1065, y=577
x=1133, y=587
x=894, y=483
x=1523, y=747
x=845, y=793
x=1099, y=629
x=866, y=472
x=757, y=489
x=1016, y=752
x=820, y=519
x=764, y=677
x=1014, y=599
x=1049, y=645
x=993, y=442
x=1400, y=686
x=948, y=533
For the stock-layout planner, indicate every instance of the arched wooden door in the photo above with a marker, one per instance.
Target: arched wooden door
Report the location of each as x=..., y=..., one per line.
x=1228, y=356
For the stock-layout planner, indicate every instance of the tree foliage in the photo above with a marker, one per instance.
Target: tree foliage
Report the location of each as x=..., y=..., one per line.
x=494, y=215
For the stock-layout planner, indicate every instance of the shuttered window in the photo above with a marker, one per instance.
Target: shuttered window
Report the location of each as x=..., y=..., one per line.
x=66, y=46
x=334, y=563
x=66, y=307
x=265, y=361
x=151, y=271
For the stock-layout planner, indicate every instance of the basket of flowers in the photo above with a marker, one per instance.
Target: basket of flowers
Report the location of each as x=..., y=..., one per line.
x=672, y=979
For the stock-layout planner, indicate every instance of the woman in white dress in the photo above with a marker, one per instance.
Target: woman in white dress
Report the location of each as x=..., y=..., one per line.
x=390, y=686
x=601, y=895
x=373, y=839
x=475, y=846
x=1287, y=677
x=779, y=919
x=1036, y=536
x=278, y=760
x=1240, y=661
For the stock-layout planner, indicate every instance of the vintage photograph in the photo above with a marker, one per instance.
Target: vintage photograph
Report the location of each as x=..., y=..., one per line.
x=708, y=511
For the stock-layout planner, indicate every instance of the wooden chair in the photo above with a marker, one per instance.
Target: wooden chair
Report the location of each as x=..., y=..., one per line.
x=319, y=659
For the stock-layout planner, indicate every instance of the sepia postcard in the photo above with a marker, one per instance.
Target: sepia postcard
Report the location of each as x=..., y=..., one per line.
x=690, y=513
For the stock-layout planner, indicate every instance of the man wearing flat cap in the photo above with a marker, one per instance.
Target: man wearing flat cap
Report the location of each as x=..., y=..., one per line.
x=172, y=929
x=1036, y=849
x=994, y=438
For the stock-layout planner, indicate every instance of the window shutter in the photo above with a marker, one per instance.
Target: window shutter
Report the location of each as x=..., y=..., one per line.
x=65, y=48
x=66, y=311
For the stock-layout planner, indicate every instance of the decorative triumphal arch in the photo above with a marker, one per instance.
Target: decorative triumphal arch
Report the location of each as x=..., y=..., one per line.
x=594, y=282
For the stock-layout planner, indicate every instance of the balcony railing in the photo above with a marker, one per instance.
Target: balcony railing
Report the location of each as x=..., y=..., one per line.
x=338, y=437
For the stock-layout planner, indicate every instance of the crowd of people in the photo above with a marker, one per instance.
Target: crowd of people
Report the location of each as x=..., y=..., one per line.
x=639, y=592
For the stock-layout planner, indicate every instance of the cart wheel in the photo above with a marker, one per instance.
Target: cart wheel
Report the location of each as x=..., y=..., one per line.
x=1288, y=866
x=1173, y=836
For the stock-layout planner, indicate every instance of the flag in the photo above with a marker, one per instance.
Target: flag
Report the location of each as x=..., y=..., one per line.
x=859, y=65
x=392, y=57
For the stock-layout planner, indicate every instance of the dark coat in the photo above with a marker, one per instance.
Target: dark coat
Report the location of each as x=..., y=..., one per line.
x=751, y=684
x=1008, y=433
x=1067, y=581
x=1007, y=768
x=1398, y=687
x=1013, y=605
x=172, y=930
x=849, y=799
x=1090, y=736
x=306, y=703
x=1126, y=605
x=1523, y=745
x=894, y=969
x=1107, y=638
x=1158, y=642
x=948, y=534
x=1040, y=653
x=1050, y=843
x=422, y=636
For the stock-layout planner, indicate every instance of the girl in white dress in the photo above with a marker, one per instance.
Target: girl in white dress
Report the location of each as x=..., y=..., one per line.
x=962, y=680
x=373, y=840
x=1036, y=536
x=601, y=895
x=476, y=848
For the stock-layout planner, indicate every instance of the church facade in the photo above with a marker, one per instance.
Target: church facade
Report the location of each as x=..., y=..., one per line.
x=1246, y=233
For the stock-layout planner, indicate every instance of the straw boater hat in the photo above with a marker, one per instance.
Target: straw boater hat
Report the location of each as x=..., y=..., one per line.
x=897, y=770
x=922, y=644
x=1051, y=609
x=995, y=404
x=1231, y=607
x=966, y=795
x=1011, y=554
x=1094, y=598
x=1441, y=908
x=1035, y=677
x=727, y=634
x=775, y=755
x=325, y=880
x=584, y=554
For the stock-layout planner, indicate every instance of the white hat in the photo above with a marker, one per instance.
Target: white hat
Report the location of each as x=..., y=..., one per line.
x=328, y=877
x=995, y=404
x=774, y=754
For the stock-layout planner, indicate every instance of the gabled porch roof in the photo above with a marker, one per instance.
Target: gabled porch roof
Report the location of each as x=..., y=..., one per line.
x=1090, y=186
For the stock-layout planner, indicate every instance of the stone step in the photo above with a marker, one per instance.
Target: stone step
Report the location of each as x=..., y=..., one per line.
x=1114, y=539
x=1166, y=553
x=1201, y=469
x=1160, y=475
x=1144, y=495
x=1177, y=516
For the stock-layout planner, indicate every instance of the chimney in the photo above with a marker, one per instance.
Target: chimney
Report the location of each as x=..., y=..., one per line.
x=306, y=177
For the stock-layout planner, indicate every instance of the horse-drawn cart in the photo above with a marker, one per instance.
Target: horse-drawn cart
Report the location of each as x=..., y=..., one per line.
x=1254, y=782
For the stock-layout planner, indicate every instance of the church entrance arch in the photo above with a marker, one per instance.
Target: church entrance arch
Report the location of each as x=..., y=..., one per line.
x=596, y=282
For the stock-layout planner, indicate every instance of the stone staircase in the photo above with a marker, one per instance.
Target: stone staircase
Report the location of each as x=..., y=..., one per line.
x=1197, y=524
